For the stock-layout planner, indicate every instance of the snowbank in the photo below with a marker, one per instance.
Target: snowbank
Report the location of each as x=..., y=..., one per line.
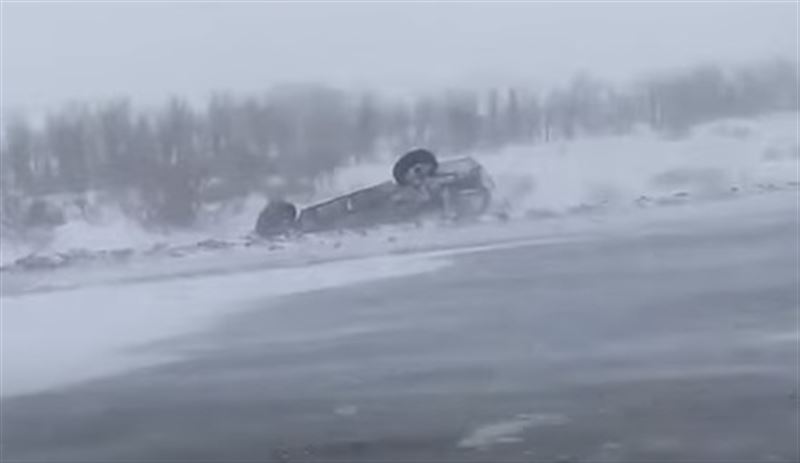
x=110, y=229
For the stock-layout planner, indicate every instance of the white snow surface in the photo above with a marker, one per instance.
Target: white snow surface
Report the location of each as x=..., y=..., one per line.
x=54, y=339
x=78, y=323
x=64, y=326
x=508, y=431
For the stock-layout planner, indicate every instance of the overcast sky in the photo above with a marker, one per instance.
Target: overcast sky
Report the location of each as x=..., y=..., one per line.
x=54, y=52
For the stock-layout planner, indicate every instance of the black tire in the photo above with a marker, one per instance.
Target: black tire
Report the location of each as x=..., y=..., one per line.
x=277, y=218
x=411, y=159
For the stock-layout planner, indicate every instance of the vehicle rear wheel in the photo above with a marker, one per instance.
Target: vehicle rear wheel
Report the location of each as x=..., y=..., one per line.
x=416, y=159
x=276, y=218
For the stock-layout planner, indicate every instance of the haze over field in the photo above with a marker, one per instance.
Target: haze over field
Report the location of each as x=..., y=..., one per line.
x=56, y=52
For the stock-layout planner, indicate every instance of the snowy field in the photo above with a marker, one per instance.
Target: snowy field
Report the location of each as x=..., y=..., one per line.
x=665, y=334
x=133, y=288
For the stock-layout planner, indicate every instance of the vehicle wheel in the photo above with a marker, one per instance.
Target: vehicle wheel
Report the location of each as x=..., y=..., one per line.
x=276, y=218
x=412, y=159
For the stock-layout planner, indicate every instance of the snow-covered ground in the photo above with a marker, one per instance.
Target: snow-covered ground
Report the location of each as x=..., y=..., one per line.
x=67, y=325
x=53, y=339
x=661, y=332
x=532, y=181
x=577, y=191
x=85, y=325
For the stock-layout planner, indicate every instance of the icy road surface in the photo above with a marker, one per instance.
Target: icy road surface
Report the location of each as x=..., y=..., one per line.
x=670, y=337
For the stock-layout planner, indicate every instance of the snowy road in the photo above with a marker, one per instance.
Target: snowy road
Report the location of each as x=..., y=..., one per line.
x=667, y=343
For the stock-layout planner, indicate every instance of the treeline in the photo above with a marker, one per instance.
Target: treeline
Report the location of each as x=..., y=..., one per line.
x=177, y=157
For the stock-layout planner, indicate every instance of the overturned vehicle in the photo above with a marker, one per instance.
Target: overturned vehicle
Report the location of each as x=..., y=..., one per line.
x=422, y=187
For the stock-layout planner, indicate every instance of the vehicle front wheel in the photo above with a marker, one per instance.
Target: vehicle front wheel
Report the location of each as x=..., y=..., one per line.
x=277, y=218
